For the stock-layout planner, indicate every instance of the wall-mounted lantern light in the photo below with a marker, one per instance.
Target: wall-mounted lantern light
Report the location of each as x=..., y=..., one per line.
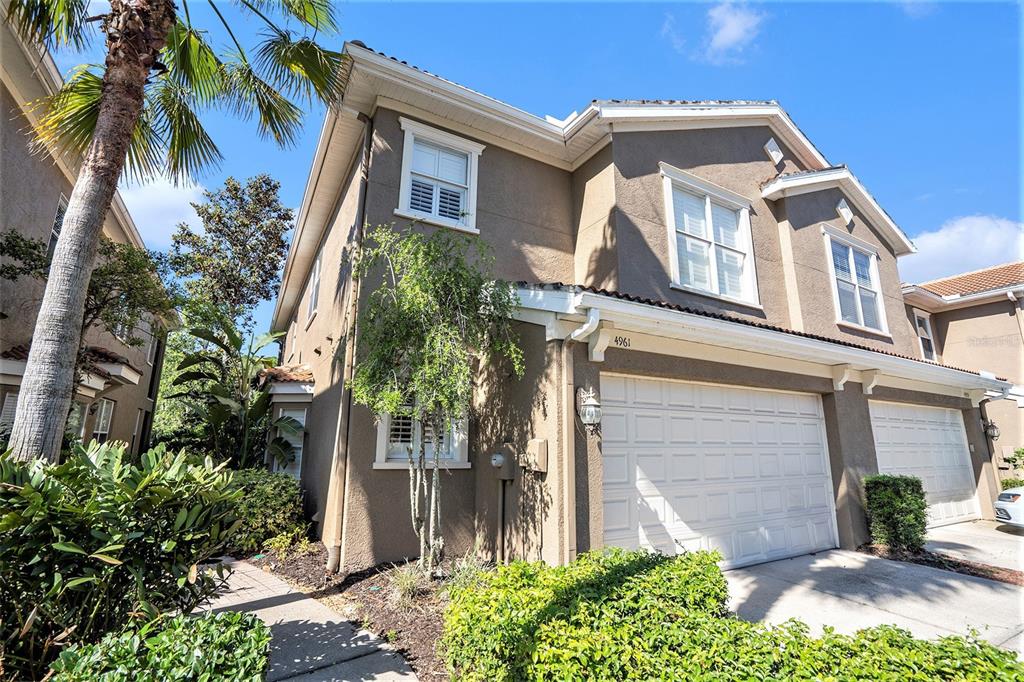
x=991, y=429
x=588, y=408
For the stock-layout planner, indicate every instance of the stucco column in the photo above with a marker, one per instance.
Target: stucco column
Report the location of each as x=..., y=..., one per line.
x=851, y=452
x=981, y=461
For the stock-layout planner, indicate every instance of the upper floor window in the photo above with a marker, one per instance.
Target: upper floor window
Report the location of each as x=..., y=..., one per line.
x=314, y=288
x=709, y=237
x=439, y=173
x=58, y=224
x=855, y=286
x=923, y=324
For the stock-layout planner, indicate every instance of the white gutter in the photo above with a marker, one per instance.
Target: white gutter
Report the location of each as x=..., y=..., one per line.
x=588, y=327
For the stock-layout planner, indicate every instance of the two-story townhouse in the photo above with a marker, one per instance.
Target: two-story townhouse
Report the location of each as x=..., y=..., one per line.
x=115, y=398
x=976, y=320
x=727, y=297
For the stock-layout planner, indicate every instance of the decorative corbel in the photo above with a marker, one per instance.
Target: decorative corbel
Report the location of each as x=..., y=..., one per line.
x=840, y=375
x=599, y=341
x=869, y=379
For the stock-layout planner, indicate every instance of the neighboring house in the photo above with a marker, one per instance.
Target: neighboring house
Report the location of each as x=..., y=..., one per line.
x=115, y=398
x=730, y=297
x=976, y=320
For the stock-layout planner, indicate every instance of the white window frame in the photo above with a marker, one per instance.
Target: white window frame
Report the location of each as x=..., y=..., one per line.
x=927, y=318
x=101, y=406
x=673, y=178
x=56, y=228
x=314, y=288
x=298, y=450
x=458, y=439
x=415, y=130
x=830, y=234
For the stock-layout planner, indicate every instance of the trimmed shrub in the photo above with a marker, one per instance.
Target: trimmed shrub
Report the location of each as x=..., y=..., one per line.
x=91, y=544
x=1008, y=483
x=270, y=505
x=492, y=627
x=639, y=616
x=224, y=646
x=897, y=511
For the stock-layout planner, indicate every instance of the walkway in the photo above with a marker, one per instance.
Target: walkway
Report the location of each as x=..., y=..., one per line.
x=983, y=542
x=311, y=642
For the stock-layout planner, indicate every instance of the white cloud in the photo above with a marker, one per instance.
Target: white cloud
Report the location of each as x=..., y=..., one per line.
x=158, y=206
x=962, y=245
x=731, y=30
x=917, y=9
x=669, y=33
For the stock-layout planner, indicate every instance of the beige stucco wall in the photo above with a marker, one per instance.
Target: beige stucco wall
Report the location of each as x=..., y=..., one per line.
x=593, y=189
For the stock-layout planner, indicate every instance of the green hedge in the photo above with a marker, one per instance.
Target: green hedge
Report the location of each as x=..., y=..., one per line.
x=225, y=646
x=90, y=545
x=639, y=616
x=270, y=505
x=1012, y=483
x=897, y=511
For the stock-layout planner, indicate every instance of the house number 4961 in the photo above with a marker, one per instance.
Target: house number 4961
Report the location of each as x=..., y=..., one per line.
x=621, y=341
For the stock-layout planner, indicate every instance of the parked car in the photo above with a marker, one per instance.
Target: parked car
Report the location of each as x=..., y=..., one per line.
x=1010, y=507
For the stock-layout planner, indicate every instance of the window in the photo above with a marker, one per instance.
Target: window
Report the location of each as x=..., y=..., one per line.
x=399, y=436
x=855, y=286
x=439, y=172
x=10, y=406
x=314, y=290
x=923, y=323
x=294, y=468
x=709, y=238
x=104, y=414
x=58, y=223
x=135, y=429
x=76, y=420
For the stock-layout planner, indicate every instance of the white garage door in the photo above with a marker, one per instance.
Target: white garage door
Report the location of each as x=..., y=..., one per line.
x=701, y=466
x=930, y=443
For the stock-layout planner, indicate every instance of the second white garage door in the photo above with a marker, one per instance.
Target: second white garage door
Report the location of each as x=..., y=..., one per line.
x=701, y=466
x=930, y=443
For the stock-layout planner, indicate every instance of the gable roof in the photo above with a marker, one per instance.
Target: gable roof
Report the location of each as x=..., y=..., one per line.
x=986, y=279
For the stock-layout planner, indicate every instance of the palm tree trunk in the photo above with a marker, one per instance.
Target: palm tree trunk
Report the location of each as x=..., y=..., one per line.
x=136, y=31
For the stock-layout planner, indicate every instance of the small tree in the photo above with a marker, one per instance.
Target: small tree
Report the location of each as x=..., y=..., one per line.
x=436, y=311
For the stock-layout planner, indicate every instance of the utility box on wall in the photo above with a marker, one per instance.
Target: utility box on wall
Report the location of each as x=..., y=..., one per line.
x=536, y=457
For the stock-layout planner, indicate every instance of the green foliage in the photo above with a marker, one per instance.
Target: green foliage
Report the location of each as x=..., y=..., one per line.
x=1008, y=483
x=270, y=505
x=235, y=260
x=91, y=544
x=493, y=628
x=223, y=646
x=1016, y=460
x=897, y=511
x=639, y=616
x=406, y=582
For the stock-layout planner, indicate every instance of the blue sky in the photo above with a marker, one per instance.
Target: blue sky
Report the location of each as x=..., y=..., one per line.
x=922, y=100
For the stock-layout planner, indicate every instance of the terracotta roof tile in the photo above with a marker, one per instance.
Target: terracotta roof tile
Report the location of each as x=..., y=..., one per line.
x=19, y=352
x=997, y=277
x=93, y=355
x=728, y=318
x=285, y=373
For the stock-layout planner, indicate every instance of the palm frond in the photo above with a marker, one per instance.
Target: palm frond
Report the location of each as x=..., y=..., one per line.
x=245, y=93
x=54, y=23
x=189, y=148
x=301, y=67
x=317, y=14
x=192, y=63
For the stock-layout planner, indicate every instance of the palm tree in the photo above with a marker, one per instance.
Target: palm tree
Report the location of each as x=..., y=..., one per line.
x=140, y=113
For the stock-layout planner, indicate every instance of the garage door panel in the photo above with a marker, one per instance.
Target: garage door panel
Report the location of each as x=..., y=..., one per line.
x=931, y=444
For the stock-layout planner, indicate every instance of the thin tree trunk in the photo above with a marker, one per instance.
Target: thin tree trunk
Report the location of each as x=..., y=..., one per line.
x=136, y=31
x=435, y=511
x=421, y=481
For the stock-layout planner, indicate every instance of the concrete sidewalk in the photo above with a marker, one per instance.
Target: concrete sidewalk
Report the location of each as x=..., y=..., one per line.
x=311, y=642
x=983, y=542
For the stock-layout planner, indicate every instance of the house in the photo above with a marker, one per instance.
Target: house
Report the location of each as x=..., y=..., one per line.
x=116, y=395
x=976, y=320
x=728, y=297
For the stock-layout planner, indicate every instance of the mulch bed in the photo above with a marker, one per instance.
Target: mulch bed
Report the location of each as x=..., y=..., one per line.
x=413, y=628
x=947, y=563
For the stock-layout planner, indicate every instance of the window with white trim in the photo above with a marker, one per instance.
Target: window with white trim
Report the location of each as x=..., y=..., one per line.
x=709, y=238
x=104, y=415
x=294, y=467
x=58, y=224
x=7, y=412
x=439, y=172
x=923, y=325
x=314, y=288
x=855, y=287
x=399, y=436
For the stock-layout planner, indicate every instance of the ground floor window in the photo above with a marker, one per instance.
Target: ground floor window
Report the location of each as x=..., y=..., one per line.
x=399, y=436
x=295, y=439
x=104, y=415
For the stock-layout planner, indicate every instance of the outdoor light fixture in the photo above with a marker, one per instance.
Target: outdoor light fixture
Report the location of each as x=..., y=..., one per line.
x=589, y=408
x=991, y=430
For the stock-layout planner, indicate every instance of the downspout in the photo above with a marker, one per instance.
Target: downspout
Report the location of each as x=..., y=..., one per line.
x=336, y=499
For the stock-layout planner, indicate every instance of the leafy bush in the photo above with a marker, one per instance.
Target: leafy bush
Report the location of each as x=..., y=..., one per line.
x=270, y=505
x=1012, y=483
x=225, y=646
x=897, y=511
x=638, y=616
x=90, y=544
x=492, y=627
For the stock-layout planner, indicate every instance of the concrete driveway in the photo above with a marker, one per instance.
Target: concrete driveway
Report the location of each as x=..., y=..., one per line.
x=984, y=542
x=850, y=591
